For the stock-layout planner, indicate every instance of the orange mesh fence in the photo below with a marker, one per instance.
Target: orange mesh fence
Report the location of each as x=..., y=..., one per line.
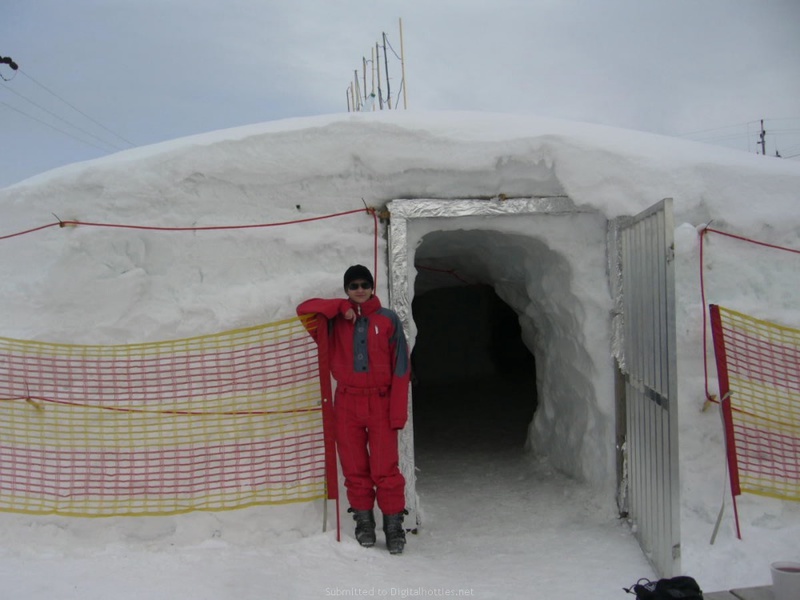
x=758, y=366
x=207, y=423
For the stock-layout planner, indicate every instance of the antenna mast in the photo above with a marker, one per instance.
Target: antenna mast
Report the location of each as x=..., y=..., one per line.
x=386, y=64
x=403, y=67
x=378, y=65
x=359, y=99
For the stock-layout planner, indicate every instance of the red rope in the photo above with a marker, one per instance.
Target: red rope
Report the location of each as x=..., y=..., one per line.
x=11, y=235
x=232, y=413
x=744, y=239
x=75, y=223
x=703, y=290
x=211, y=227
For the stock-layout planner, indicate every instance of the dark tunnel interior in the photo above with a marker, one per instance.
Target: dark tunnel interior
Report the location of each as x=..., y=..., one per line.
x=473, y=379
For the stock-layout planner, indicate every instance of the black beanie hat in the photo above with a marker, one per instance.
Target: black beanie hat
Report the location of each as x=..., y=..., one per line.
x=357, y=272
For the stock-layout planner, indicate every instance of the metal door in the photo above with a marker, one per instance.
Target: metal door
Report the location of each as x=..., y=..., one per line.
x=650, y=372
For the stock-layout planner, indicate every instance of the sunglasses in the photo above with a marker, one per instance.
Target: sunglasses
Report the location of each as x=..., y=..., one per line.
x=355, y=285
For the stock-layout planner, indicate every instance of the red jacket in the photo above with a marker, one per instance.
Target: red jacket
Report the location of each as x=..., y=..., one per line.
x=383, y=362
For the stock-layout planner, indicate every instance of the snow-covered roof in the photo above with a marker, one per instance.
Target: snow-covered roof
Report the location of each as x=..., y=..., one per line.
x=333, y=161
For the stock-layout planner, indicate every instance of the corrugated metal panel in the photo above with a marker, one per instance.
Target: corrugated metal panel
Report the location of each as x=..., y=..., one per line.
x=648, y=299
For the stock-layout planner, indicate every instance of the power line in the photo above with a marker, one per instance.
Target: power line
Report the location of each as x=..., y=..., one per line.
x=63, y=120
x=788, y=151
x=75, y=108
x=68, y=134
x=745, y=124
x=15, y=67
x=720, y=138
x=779, y=134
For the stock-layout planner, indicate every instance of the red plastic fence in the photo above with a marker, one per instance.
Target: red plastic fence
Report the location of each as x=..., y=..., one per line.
x=758, y=366
x=207, y=423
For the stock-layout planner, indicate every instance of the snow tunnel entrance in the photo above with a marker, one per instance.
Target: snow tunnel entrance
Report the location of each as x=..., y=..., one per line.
x=464, y=271
x=474, y=380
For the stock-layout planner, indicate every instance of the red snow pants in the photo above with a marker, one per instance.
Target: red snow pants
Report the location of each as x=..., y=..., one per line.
x=367, y=448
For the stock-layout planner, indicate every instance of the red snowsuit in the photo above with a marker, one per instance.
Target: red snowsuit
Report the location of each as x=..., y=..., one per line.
x=369, y=361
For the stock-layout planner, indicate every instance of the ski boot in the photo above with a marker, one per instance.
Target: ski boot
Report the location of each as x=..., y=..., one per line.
x=395, y=533
x=365, y=526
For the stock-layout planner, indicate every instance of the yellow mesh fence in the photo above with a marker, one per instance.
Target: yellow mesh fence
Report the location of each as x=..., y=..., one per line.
x=214, y=422
x=758, y=364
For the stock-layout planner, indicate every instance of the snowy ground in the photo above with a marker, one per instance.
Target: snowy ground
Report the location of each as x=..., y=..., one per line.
x=497, y=524
x=532, y=542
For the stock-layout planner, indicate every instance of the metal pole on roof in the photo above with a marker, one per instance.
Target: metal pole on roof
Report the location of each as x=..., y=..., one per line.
x=372, y=89
x=386, y=64
x=364, y=76
x=356, y=92
x=378, y=65
x=403, y=68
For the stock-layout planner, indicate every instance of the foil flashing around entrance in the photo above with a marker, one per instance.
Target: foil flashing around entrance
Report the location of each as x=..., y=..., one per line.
x=461, y=207
x=402, y=210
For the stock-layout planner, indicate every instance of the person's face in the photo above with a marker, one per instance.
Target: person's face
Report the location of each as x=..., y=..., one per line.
x=359, y=291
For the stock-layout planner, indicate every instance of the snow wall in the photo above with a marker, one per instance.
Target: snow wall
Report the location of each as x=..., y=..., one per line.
x=87, y=285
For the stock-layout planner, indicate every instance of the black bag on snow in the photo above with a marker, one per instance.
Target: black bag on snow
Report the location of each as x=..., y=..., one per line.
x=683, y=587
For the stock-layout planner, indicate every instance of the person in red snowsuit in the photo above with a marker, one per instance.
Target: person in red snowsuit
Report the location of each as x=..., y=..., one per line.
x=369, y=361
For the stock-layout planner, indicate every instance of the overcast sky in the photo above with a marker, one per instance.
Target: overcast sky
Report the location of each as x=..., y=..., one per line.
x=152, y=70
